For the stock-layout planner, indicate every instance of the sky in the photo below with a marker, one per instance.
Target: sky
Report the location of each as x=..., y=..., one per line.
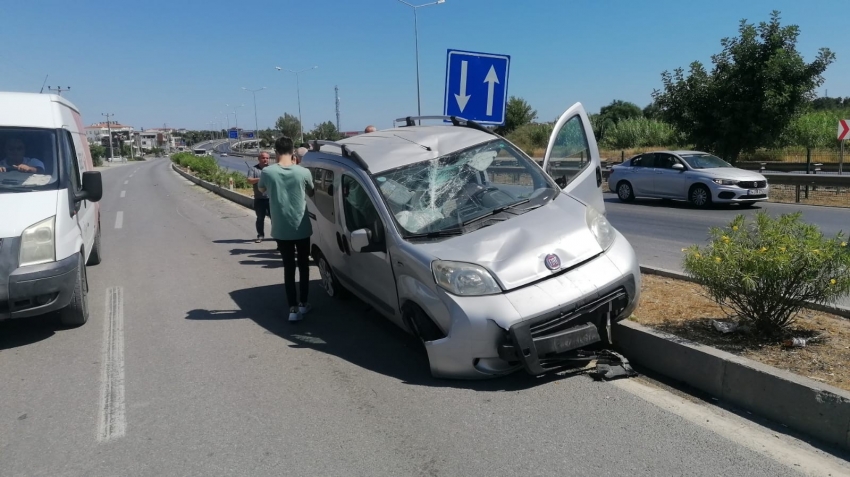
x=181, y=62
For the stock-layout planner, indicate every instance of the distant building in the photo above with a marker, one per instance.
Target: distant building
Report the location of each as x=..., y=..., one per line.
x=96, y=133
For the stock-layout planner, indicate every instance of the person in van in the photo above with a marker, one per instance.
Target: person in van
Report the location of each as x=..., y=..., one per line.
x=15, y=158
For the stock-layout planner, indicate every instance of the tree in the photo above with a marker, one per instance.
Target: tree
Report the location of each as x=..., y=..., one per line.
x=98, y=152
x=827, y=103
x=610, y=115
x=517, y=113
x=758, y=85
x=813, y=130
x=325, y=131
x=289, y=126
x=652, y=111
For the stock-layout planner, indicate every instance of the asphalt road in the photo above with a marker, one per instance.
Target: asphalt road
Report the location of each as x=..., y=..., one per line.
x=659, y=230
x=187, y=367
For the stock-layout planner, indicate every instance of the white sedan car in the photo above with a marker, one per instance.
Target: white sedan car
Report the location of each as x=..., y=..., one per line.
x=697, y=177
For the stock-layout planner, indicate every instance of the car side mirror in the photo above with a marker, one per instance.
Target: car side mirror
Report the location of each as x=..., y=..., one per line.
x=360, y=239
x=678, y=167
x=92, y=187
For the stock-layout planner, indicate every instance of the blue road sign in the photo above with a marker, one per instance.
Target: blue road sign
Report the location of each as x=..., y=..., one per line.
x=232, y=134
x=476, y=86
x=249, y=135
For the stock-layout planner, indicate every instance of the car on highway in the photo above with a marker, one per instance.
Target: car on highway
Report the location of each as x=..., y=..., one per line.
x=49, y=215
x=457, y=236
x=223, y=154
x=698, y=177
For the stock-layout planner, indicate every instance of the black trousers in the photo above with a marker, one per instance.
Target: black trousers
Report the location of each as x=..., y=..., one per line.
x=261, y=207
x=288, y=250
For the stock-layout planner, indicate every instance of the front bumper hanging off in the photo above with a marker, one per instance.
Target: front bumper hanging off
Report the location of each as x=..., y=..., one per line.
x=544, y=343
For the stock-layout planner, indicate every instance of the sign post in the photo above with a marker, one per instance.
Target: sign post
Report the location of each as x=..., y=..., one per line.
x=476, y=86
x=843, y=135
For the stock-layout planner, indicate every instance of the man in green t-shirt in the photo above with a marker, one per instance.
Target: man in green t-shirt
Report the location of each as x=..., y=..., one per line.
x=288, y=186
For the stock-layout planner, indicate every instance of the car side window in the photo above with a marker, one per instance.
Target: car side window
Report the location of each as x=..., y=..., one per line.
x=360, y=213
x=322, y=181
x=664, y=161
x=570, y=152
x=647, y=160
x=637, y=162
x=72, y=167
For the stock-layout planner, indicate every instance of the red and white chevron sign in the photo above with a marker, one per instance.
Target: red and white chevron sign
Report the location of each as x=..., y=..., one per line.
x=843, y=129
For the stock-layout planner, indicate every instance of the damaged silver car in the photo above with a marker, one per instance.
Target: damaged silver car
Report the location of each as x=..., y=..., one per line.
x=453, y=233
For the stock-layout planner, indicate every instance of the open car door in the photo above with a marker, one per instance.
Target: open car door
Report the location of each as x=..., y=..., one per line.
x=572, y=158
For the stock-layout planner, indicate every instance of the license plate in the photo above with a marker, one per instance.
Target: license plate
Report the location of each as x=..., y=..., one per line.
x=755, y=192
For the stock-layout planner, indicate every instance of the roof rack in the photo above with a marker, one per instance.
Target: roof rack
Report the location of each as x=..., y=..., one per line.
x=346, y=152
x=455, y=120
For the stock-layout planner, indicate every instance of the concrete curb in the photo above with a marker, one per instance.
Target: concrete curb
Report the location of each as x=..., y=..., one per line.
x=661, y=272
x=801, y=404
x=228, y=194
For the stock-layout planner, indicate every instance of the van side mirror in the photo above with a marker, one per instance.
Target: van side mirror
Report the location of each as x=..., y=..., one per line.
x=360, y=239
x=678, y=167
x=92, y=187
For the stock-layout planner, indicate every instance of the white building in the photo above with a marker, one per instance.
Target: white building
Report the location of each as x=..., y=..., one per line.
x=96, y=132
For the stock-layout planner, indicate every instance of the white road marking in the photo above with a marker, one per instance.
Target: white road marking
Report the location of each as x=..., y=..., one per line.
x=780, y=448
x=123, y=193
x=119, y=220
x=112, y=422
x=125, y=182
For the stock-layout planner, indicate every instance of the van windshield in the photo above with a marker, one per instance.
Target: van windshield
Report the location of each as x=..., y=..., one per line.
x=449, y=193
x=27, y=160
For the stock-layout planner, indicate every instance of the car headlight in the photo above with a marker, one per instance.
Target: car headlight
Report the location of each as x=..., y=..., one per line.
x=464, y=279
x=725, y=181
x=601, y=229
x=37, y=243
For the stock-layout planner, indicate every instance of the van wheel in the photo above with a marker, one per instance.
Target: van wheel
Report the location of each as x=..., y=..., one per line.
x=625, y=192
x=329, y=282
x=77, y=312
x=95, y=255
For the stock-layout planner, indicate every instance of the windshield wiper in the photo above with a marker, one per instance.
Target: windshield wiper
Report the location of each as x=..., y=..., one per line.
x=497, y=210
x=436, y=233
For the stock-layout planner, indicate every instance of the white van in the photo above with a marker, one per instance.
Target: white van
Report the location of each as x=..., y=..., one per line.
x=49, y=216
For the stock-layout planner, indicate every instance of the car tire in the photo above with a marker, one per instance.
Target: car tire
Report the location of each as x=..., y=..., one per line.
x=95, y=256
x=77, y=312
x=625, y=192
x=422, y=326
x=699, y=196
x=748, y=204
x=329, y=281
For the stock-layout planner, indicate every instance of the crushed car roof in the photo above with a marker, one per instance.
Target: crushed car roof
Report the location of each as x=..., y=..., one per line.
x=391, y=148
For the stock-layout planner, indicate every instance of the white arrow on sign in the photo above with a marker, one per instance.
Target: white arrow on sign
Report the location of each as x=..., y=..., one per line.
x=491, y=78
x=462, y=98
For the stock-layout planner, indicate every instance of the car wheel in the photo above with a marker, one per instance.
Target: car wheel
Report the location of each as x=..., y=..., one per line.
x=329, y=282
x=625, y=192
x=748, y=204
x=95, y=255
x=699, y=196
x=77, y=312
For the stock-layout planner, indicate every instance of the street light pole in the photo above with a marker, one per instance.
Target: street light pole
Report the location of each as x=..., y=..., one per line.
x=109, y=131
x=256, y=126
x=416, y=36
x=298, y=90
x=236, y=119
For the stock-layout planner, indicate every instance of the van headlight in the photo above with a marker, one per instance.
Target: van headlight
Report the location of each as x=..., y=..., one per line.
x=37, y=243
x=599, y=226
x=464, y=279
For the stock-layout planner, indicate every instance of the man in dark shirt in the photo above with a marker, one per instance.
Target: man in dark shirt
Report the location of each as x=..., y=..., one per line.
x=261, y=199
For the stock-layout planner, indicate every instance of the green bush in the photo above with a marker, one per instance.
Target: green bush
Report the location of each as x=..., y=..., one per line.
x=765, y=272
x=206, y=168
x=639, y=132
x=529, y=137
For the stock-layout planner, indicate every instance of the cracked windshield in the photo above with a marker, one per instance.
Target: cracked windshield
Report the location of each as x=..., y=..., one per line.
x=448, y=192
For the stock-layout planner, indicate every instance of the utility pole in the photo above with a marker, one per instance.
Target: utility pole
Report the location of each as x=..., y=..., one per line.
x=59, y=89
x=109, y=131
x=336, y=92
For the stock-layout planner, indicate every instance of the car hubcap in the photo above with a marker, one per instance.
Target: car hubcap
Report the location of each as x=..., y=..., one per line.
x=699, y=196
x=624, y=191
x=327, y=278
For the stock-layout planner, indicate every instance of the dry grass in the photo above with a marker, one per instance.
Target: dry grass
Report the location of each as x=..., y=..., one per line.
x=688, y=313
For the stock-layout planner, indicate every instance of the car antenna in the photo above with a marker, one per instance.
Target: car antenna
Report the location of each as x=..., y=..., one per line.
x=427, y=148
x=42, y=84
